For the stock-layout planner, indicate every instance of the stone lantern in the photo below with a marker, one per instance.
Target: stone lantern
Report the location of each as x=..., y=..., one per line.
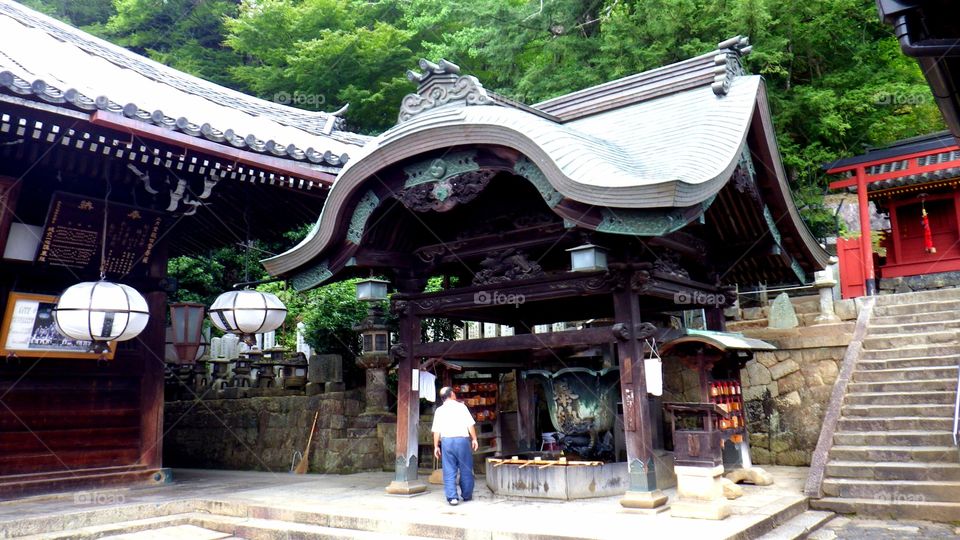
x=375, y=337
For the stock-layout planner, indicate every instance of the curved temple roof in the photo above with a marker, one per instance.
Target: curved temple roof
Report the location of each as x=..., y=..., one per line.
x=669, y=138
x=57, y=63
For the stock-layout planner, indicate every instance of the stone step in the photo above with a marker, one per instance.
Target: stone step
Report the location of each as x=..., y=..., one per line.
x=925, y=317
x=901, y=423
x=893, y=438
x=903, y=454
x=949, y=360
x=271, y=529
x=932, y=385
x=892, y=470
x=903, y=398
x=888, y=411
x=893, y=490
x=799, y=526
x=919, y=297
x=921, y=373
x=915, y=309
x=107, y=530
x=946, y=325
x=193, y=523
x=913, y=351
x=896, y=341
x=930, y=511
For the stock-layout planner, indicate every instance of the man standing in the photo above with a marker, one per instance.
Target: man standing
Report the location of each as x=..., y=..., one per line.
x=455, y=439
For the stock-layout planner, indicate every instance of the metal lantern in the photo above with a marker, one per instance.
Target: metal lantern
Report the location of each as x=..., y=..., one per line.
x=186, y=322
x=372, y=290
x=588, y=258
x=247, y=313
x=101, y=312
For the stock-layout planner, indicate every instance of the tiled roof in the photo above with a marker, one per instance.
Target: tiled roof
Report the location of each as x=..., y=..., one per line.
x=54, y=62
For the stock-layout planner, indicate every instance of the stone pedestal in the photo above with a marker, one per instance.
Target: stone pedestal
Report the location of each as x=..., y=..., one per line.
x=700, y=493
x=824, y=284
x=643, y=499
x=376, y=388
x=398, y=487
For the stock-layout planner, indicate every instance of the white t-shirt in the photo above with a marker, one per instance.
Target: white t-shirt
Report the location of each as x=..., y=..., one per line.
x=452, y=419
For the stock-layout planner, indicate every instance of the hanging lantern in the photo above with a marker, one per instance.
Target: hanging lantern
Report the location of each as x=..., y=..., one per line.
x=372, y=290
x=588, y=258
x=927, y=233
x=247, y=313
x=186, y=323
x=101, y=312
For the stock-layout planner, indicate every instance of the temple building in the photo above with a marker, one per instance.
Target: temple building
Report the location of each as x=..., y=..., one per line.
x=615, y=208
x=914, y=183
x=111, y=161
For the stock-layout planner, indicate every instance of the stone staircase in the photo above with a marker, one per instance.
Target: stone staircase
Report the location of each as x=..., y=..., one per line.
x=893, y=453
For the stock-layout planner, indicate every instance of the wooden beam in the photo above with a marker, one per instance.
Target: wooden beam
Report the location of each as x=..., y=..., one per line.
x=267, y=163
x=518, y=342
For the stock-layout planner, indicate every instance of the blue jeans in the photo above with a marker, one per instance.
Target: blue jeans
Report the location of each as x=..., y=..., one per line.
x=456, y=455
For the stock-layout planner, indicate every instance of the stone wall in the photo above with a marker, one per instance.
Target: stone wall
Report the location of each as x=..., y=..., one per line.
x=263, y=433
x=787, y=391
x=925, y=282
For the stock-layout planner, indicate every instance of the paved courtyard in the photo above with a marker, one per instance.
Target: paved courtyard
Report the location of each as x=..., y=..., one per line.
x=846, y=528
x=271, y=505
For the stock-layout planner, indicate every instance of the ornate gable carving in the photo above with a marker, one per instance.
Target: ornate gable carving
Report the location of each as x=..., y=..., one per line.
x=441, y=84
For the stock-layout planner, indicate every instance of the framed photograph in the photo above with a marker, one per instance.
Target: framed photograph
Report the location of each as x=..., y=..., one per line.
x=29, y=330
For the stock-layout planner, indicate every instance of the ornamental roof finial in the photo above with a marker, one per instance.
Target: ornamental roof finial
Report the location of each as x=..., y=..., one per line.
x=441, y=84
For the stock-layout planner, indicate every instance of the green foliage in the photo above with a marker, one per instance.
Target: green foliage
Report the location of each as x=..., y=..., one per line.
x=87, y=14
x=184, y=34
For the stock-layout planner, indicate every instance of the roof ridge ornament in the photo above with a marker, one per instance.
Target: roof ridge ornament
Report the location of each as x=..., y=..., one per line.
x=439, y=85
x=727, y=64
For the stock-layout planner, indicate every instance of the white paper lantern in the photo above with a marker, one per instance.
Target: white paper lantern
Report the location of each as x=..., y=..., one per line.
x=247, y=312
x=101, y=311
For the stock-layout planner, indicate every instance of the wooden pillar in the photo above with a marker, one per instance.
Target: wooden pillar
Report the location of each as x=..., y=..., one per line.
x=152, y=344
x=151, y=347
x=408, y=410
x=642, y=490
x=896, y=257
x=714, y=319
x=866, y=243
x=526, y=436
x=526, y=408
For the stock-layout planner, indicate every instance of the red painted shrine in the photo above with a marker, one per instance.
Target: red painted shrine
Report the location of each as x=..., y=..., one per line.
x=914, y=182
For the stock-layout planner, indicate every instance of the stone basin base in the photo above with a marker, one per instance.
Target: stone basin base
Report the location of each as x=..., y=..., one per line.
x=571, y=482
x=563, y=482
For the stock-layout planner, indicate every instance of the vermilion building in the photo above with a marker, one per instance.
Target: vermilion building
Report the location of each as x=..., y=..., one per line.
x=914, y=181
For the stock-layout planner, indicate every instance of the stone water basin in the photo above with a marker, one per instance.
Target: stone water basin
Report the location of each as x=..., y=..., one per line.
x=562, y=482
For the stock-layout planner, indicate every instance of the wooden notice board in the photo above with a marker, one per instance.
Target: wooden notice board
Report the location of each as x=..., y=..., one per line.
x=29, y=330
x=72, y=235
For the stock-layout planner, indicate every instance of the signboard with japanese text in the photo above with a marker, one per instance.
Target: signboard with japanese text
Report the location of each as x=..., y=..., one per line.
x=72, y=235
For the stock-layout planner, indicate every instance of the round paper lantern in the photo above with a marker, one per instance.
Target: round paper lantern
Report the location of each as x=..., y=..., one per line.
x=101, y=311
x=247, y=313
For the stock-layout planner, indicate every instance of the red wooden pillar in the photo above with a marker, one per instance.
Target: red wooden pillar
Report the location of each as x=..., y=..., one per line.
x=408, y=410
x=642, y=490
x=866, y=242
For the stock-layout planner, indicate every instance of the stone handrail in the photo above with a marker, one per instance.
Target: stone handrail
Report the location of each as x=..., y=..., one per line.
x=818, y=462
